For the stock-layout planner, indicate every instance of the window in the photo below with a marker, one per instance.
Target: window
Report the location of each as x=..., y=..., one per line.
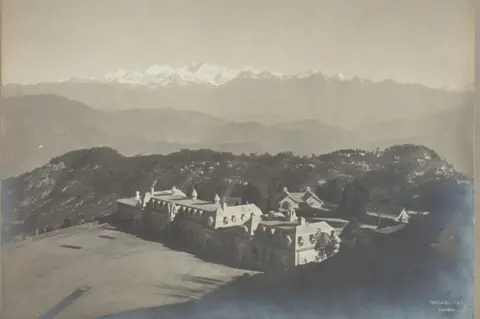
x=234, y=219
x=300, y=241
x=312, y=239
x=243, y=217
x=225, y=221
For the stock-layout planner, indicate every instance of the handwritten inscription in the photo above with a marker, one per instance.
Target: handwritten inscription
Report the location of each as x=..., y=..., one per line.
x=448, y=305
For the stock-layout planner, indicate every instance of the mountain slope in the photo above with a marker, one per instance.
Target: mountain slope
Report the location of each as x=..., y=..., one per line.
x=86, y=182
x=38, y=128
x=42, y=126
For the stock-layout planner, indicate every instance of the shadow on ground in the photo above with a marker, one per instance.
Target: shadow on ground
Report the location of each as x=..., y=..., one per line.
x=396, y=277
x=338, y=288
x=174, y=243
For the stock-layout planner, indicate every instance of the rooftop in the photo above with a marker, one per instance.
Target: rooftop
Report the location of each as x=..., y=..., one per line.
x=279, y=224
x=300, y=228
x=197, y=203
x=390, y=230
x=384, y=210
x=300, y=197
x=169, y=197
x=132, y=201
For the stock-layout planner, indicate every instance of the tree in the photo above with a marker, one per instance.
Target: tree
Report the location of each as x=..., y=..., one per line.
x=354, y=200
x=327, y=244
x=333, y=244
x=252, y=195
x=331, y=191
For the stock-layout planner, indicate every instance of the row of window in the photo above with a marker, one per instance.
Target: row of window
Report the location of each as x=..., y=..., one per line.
x=226, y=220
x=285, y=240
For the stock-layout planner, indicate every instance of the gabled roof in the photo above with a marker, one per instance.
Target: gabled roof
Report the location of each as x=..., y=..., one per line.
x=301, y=197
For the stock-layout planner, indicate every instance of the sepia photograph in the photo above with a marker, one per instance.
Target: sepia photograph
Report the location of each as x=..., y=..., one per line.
x=237, y=159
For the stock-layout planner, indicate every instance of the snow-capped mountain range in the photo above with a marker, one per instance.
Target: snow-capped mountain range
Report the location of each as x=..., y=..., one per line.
x=199, y=73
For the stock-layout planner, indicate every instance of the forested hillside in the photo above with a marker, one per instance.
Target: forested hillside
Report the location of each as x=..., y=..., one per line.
x=84, y=184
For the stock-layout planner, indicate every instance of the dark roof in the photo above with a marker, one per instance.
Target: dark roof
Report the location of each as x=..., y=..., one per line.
x=301, y=197
x=384, y=210
x=132, y=201
x=389, y=230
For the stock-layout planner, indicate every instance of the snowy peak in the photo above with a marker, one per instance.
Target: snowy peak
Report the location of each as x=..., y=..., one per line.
x=162, y=75
x=197, y=72
x=206, y=74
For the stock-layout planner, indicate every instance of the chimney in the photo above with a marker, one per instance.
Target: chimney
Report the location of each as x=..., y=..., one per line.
x=223, y=203
x=194, y=194
x=152, y=189
x=216, y=199
x=302, y=221
x=137, y=196
x=285, y=190
x=308, y=189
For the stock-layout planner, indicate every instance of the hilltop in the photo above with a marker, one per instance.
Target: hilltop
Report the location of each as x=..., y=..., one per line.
x=84, y=184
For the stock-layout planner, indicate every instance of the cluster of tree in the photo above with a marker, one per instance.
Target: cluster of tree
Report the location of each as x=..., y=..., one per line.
x=331, y=191
x=354, y=199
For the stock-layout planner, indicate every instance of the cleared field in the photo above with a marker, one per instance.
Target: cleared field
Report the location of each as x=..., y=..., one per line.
x=122, y=271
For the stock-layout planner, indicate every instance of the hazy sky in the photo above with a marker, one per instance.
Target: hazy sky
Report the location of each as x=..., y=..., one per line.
x=426, y=41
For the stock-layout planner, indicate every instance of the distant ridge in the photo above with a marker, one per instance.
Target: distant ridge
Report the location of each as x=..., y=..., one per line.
x=56, y=125
x=205, y=73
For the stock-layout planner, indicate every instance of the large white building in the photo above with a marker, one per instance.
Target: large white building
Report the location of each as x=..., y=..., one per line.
x=276, y=241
